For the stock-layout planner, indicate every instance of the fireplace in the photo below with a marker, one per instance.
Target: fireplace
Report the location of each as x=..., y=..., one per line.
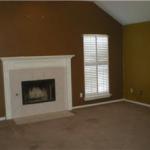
x=38, y=91
x=24, y=77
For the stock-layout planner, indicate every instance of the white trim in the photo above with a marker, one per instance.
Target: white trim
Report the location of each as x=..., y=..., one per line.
x=23, y=58
x=112, y=101
x=2, y=118
x=137, y=103
x=15, y=63
x=96, y=104
x=97, y=97
x=69, y=85
x=104, y=35
x=7, y=92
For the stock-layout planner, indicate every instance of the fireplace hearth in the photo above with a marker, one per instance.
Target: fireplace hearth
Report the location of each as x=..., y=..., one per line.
x=38, y=91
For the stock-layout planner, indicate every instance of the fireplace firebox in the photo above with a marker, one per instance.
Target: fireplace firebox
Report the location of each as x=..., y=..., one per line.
x=38, y=91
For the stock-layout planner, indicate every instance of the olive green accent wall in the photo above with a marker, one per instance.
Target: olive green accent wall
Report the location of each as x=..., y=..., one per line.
x=136, y=56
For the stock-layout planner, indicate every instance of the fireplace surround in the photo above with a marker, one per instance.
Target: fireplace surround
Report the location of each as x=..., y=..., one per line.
x=20, y=71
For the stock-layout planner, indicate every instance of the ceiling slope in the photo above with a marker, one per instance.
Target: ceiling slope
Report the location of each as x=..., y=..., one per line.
x=127, y=12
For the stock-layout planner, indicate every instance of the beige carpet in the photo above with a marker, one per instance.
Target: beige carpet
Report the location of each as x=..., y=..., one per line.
x=117, y=126
x=43, y=117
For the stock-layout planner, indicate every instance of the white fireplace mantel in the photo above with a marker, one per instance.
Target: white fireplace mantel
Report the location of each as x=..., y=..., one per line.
x=24, y=61
x=29, y=62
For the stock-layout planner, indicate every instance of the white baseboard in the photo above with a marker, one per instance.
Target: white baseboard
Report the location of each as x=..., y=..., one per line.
x=2, y=118
x=100, y=103
x=138, y=103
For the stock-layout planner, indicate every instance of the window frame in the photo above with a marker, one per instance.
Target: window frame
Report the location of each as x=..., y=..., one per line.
x=97, y=95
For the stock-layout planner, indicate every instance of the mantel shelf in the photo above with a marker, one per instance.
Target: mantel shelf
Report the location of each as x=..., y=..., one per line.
x=26, y=58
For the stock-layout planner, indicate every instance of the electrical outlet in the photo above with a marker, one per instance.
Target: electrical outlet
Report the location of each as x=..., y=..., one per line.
x=131, y=90
x=81, y=95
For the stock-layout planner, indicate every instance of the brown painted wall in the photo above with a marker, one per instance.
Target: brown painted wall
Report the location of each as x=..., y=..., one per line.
x=136, y=43
x=54, y=28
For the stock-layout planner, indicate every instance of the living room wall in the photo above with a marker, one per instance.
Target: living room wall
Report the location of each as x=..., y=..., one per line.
x=136, y=52
x=56, y=28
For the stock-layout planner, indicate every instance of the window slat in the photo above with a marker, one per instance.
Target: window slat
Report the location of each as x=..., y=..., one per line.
x=96, y=65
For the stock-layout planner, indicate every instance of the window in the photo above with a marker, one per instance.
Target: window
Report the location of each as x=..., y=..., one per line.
x=96, y=66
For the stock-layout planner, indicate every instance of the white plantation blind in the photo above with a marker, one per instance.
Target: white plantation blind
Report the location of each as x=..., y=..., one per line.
x=96, y=70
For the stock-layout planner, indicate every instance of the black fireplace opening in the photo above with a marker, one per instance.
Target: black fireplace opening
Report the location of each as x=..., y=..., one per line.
x=38, y=91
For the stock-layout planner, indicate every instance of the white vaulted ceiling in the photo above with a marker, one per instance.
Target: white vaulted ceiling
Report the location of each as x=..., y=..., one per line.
x=127, y=12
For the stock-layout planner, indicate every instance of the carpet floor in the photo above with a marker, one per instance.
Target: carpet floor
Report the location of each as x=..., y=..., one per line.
x=117, y=126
